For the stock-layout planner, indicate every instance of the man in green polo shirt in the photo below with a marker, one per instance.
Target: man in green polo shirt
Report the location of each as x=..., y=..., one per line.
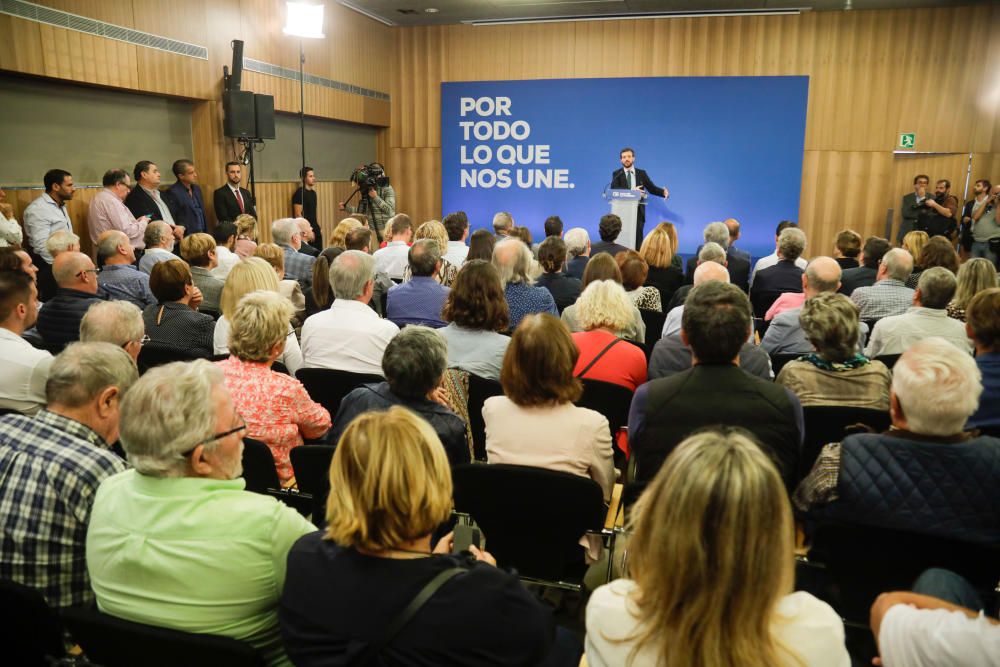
x=177, y=542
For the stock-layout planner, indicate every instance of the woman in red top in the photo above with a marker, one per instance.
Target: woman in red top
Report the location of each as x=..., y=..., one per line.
x=276, y=407
x=603, y=309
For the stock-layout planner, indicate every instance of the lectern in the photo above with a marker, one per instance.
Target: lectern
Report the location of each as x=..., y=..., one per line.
x=625, y=204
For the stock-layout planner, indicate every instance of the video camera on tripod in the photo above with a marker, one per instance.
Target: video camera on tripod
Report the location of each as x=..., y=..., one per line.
x=369, y=176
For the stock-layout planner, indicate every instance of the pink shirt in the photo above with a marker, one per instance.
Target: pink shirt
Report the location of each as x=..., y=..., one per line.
x=787, y=301
x=107, y=211
x=276, y=407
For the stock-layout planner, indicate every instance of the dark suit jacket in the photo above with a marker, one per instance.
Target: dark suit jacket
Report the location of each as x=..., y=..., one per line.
x=609, y=247
x=851, y=279
x=908, y=214
x=576, y=266
x=737, y=263
x=641, y=178
x=772, y=282
x=183, y=208
x=226, y=206
x=140, y=203
x=307, y=249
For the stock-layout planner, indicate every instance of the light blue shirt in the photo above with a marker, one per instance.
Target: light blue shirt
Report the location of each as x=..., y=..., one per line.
x=42, y=218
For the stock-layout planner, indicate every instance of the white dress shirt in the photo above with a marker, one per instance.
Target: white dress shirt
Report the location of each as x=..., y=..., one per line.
x=771, y=260
x=42, y=218
x=24, y=370
x=457, y=252
x=892, y=335
x=162, y=205
x=227, y=260
x=347, y=337
x=393, y=259
x=928, y=637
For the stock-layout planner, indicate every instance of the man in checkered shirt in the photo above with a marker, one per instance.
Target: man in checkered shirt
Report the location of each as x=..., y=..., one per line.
x=889, y=295
x=298, y=265
x=51, y=465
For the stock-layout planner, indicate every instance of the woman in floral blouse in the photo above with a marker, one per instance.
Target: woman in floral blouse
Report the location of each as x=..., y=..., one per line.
x=276, y=407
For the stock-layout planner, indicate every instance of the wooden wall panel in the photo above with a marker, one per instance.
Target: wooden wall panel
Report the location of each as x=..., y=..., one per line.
x=274, y=201
x=77, y=208
x=21, y=47
x=873, y=74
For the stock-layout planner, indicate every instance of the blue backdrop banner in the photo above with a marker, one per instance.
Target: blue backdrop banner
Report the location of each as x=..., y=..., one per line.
x=723, y=146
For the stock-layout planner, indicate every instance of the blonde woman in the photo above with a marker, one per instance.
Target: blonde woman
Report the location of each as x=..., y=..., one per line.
x=250, y=275
x=604, y=310
x=712, y=571
x=246, y=235
x=338, y=239
x=914, y=242
x=390, y=489
x=432, y=229
x=276, y=407
x=288, y=288
x=658, y=250
x=603, y=267
x=974, y=276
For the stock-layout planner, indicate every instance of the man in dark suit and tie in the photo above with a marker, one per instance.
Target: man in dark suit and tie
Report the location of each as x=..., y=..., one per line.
x=145, y=199
x=185, y=200
x=631, y=178
x=737, y=261
x=231, y=200
x=909, y=210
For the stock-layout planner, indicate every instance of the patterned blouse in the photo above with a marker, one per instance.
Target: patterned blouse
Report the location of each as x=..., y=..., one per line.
x=446, y=276
x=276, y=407
x=955, y=312
x=646, y=298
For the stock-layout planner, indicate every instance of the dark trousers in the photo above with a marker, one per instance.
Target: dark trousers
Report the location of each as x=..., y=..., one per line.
x=565, y=652
x=946, y=585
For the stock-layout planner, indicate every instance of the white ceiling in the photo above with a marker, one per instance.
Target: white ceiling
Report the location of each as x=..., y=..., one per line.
x=413, y=12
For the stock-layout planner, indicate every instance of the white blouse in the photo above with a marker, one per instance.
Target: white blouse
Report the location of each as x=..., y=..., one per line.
x=804, y=624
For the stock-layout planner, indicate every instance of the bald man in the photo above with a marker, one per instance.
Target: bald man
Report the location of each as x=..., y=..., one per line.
x=784, y=335
x=706, y=271
x=824, y=271
x=76, y=280
x=120, y=280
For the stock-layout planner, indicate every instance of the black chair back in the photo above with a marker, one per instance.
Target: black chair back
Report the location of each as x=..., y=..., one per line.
x=32, y=627
x=654, y=328
x=152, y=355
x=532, y=518
x=328, y=387
x=888, y=359
x=480, y=389
x=115, y=642
x=863, y=561
x=832, y=423
x=258, y=467
x=611, y=400
x=311, y=464
x=778, y=361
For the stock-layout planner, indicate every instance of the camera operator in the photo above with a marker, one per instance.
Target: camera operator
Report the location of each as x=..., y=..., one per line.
x=986, y=228
x=936, y=215
x=378, y=199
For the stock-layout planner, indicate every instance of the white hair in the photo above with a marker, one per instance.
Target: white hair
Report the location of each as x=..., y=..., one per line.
x=350, y=272
x=512, y=260
x=717, y=232
x=712, y=252
x=116, y=322
x=937, y=386
x=283, y=229
x=61, y=241
x=576, y=241
x=167, y=413
x=604, y=303
x=898, y=263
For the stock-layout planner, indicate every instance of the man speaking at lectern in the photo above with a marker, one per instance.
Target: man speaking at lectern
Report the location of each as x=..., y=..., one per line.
x=631, y=178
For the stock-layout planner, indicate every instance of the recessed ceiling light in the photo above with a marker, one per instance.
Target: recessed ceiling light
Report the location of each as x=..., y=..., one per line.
x=431, y=10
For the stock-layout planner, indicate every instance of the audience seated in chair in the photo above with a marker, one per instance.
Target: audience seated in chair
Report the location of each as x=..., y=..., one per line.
x=983, y=326
x=941, y=482
x=224, y=235
x=874, y=250
x=835, y=374
x=785, y=276
x=535, y=422
x=119, y=279
x=577, y=252
x=390, y=489
x=737, y=261
x=939, y=622
x=116, y=322
x=708, y=269
x=177, y=542
x=608, y=228
x=349, y=336
x=288, y=288
x=712, y=578
x=199, y=251
x=512, y=259
x=715, y=390
x=604, y=311
x=419, y=300
x=937, y=252
x=174, y=322
x=974, y=276
x=159, y=240
x=658, y=251
x=770, y=260
x=457, y=226
x=276, y=407
x=927, y=317
x=59, y=322
x=710, y=252
x=565, y=289
x=476, y=312
x=414, y=364
x=604, y=267
x=634, y=272
x=435, y=231
x=61, y=241
x=23, y=367
x=298, y=266
x=392, y=260
x=251, y=275
x=846, y=249
x=889, y=295
x=53, y=464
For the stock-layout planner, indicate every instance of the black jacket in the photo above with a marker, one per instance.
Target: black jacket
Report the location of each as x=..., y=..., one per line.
x=186, y=208
x=59, y=319
x=851, y=279
x=564, y=289
x=667, y=281
x=609, y=247
x=772, y=282
x=576, y=266
x=736, y=263
x=140, y=203
x=226, y=206
x=378, y=397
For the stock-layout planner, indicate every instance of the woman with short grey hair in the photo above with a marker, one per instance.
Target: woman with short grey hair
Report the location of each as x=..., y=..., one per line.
x=836, y=373
x=277, y=408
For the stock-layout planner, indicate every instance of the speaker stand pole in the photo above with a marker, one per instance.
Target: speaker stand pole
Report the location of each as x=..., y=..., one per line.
x=302, y=120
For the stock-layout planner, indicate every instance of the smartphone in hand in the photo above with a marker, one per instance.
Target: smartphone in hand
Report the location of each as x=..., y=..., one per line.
x=465, y=536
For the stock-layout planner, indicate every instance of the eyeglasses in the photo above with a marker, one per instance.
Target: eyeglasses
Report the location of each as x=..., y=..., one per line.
x=217, y=436
x=94, y=271
x=141, y=341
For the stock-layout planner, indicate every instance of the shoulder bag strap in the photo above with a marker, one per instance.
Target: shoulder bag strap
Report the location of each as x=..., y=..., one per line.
x=398, y=623
x=598, y=357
